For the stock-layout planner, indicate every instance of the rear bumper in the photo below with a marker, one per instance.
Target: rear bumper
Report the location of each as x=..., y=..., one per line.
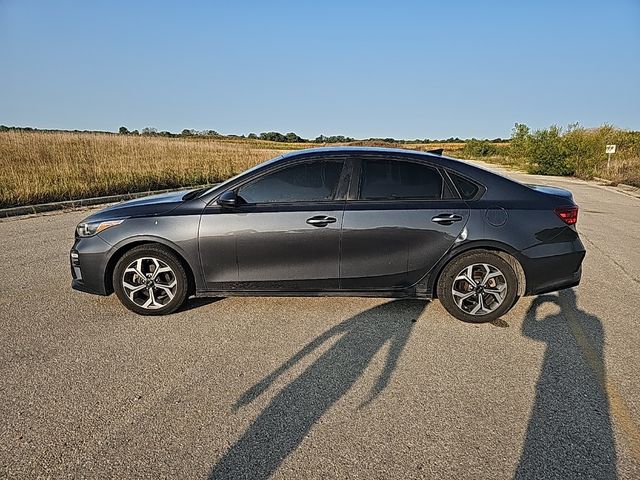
x=561, y=269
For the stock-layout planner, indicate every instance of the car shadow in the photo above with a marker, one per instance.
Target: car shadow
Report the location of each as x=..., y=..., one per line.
x=570, y=433
x=284, y=423
x=197, y=302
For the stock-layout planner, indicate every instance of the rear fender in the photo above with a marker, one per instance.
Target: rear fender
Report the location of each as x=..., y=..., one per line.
x=428, y=284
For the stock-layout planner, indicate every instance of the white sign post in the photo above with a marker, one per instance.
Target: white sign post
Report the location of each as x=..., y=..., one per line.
x=609, y=150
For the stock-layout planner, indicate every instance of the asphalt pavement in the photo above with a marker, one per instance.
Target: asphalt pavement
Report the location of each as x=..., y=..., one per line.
x=321, y=387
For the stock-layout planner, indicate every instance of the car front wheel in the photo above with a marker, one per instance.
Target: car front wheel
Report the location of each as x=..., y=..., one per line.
x=150, y=280
x=478, y=287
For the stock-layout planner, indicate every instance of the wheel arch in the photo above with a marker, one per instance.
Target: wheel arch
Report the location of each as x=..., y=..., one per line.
x=121, y=249
x=507, y=253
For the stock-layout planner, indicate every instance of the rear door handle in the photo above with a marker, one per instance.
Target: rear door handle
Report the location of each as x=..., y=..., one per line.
x=321, y=221
x=446, y=218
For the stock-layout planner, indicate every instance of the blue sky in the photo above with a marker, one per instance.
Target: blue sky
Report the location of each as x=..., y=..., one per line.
x=411, y=69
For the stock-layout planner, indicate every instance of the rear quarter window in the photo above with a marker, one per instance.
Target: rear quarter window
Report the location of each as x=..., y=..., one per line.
x=467, y=188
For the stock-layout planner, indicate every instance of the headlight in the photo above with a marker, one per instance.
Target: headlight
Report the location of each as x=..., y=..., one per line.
x=91, y=228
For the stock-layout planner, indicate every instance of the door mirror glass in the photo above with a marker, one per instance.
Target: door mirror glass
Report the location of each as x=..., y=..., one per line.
x=228, y=199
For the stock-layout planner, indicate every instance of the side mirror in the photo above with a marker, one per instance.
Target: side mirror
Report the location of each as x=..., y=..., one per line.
x=228, y=199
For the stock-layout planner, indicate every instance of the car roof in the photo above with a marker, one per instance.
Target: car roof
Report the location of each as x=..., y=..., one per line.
x=350, y=149
x=434, y=158
x=495, y=182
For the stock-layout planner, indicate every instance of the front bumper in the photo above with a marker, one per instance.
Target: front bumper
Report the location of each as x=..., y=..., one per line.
x=88, y=261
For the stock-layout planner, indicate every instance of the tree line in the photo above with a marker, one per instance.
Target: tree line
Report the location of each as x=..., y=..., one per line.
x=293, y=137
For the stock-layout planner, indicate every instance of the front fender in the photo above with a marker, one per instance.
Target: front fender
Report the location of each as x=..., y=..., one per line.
x=179, y=238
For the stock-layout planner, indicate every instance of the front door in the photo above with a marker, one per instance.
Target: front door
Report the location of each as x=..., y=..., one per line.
x=284, y=234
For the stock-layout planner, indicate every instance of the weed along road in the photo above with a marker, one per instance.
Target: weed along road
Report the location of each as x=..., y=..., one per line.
x=321, y=387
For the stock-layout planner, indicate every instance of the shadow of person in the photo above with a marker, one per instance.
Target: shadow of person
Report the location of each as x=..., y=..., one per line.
x=569, y=433
x=283, y=424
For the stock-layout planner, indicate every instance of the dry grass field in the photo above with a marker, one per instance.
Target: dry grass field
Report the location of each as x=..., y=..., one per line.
x=41, y=167
x=37, y=167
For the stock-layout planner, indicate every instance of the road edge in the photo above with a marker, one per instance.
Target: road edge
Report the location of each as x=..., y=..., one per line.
x=84, y=202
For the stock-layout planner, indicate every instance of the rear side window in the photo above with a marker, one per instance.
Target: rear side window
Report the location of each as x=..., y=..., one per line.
x=467, y=188
x=396, y=179
x=304, y=182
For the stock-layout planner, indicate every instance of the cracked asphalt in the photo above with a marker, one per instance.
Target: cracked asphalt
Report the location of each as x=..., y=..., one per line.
x=321, y=387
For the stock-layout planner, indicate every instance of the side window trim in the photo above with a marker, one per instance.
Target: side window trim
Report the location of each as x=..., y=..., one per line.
x=450, y=186
x=354, y=187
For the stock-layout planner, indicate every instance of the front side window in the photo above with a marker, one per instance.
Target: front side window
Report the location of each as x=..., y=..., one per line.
x=397, y=179
x=304, y=182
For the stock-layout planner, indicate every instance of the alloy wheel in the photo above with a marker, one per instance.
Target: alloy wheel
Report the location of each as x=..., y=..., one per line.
x=149, y=283
x=479, y=289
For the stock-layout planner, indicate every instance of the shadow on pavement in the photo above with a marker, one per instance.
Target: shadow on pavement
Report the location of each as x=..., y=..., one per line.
x=569, y=433
x=283, y=424
x=197, y=302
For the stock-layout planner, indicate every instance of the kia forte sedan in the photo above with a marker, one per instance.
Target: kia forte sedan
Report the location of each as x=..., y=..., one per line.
x=338, y=221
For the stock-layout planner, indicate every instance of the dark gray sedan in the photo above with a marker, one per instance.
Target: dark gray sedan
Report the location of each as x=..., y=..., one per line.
x=338, y=221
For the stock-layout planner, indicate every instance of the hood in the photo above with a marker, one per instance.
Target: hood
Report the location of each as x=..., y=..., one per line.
x=145, y=206
x=556, y=191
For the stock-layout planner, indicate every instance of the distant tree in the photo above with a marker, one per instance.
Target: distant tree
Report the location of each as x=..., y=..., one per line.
x=520, y=141
x=252, y=136
x=123, y=131
x=479, y=148
x=548, y=154
x=336, y=139
x=3, y=128
x=273, y=136
x=186, y=132
x=209, y=133
x=293, y=138
x=149, y=131
x=134, y=132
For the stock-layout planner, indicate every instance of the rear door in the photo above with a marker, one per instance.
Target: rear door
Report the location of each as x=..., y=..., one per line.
x=400, y=218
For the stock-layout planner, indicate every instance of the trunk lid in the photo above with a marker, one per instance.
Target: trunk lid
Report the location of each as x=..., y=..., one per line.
x=555, y=191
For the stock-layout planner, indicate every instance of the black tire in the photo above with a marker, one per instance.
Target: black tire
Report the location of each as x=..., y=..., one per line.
x=478, y=258
x=161, y=291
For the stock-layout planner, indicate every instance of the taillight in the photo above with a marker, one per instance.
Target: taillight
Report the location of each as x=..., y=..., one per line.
x=569, y=215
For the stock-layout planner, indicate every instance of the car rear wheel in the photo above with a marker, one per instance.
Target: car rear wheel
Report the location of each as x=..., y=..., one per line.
x=478, y=287
x=150, y=280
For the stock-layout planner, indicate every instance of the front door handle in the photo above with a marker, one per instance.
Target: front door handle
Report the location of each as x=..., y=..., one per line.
x=321, y=221
x=446, y=218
